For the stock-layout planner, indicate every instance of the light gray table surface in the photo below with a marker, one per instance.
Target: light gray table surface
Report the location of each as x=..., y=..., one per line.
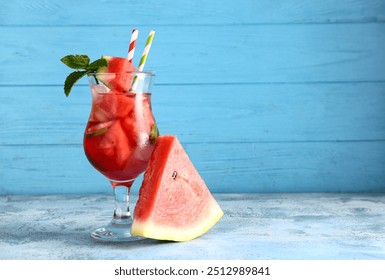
x=255, y=226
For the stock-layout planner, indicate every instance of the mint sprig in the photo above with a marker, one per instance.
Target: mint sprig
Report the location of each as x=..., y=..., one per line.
x=96, y=64
x=81, y=63
x=71, y=80
x=76, y=61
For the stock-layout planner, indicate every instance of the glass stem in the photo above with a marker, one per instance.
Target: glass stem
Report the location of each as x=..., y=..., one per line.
x=122, y=215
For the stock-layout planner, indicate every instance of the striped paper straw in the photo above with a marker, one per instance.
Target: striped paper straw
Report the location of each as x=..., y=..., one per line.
x=146, y=50
x=131, y=48
x=143, y=59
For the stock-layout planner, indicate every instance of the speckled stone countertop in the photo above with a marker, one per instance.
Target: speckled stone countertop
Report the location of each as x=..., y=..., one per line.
x=255, y=226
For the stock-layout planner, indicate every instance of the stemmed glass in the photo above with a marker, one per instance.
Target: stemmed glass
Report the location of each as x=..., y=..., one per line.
x=119, y=138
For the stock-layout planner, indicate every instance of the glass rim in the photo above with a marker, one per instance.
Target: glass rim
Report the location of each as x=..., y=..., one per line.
x=147, y=72
x=126, y=93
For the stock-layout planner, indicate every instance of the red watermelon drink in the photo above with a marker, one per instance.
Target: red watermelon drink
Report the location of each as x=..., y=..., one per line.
x=119, y=138
x=121, y=130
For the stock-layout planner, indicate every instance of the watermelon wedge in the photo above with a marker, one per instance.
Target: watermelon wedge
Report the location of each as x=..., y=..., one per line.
x=174, y=202
x=117, y=77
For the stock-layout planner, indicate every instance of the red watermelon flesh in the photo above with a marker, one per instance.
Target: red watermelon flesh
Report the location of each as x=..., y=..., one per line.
x=174, y=202
x=118, y=137
x=112, y=105
x=108, y=150
x=121, y=77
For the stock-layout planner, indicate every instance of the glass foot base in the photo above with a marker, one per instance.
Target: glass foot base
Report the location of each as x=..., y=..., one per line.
x=114, y=233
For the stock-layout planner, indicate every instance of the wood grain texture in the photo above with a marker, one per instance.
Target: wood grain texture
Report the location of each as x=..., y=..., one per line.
x=267, y=96
x=182, y=12
x=226, y=167
x=209, y=113
x=206, y=54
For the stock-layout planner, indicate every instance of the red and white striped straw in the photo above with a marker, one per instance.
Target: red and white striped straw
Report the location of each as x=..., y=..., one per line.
x=131, y=48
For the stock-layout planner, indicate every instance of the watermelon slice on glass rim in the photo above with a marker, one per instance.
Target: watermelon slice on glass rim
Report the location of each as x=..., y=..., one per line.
x=114, y=75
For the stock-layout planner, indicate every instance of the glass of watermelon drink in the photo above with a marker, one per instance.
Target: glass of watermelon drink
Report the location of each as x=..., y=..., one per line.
x=119, y=138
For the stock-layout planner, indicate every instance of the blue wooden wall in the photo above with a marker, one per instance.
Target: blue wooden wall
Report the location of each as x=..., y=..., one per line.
x=266, y=96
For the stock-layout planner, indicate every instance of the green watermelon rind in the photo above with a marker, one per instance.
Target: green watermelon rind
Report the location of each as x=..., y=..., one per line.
x=103, y=70
x=155, y=231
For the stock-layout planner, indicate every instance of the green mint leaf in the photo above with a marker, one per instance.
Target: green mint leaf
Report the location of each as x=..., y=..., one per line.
x=96, y=64
x=76, y=61
x=71, y=80
x=154, y=134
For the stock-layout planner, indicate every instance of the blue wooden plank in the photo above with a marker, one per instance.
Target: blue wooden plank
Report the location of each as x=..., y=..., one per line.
x=153, y=12
x=210, y=113
x=206, y=54
x=226, y=167
x=284, y=95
